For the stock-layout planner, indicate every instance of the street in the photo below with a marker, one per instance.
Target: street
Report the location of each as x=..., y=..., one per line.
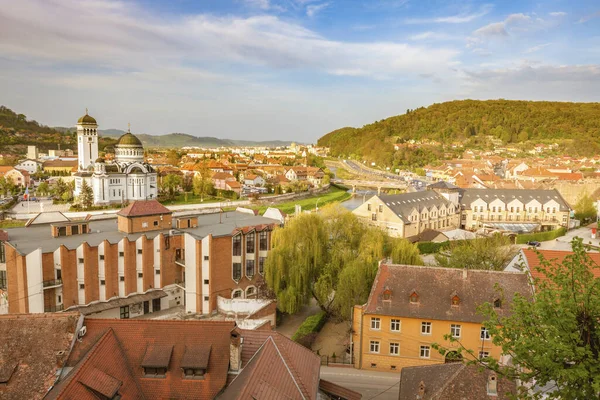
x=379, y=385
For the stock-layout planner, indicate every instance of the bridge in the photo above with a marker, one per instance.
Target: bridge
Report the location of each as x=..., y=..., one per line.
x=367, y=184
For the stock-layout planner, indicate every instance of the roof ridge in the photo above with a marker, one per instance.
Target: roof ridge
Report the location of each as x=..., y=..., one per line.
x=451, y=269
x=447, y=382
x=288, y=368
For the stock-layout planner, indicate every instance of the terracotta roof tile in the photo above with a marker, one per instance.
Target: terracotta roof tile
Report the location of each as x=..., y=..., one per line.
x=144, y=207
x=435, y=286
x=554, y=257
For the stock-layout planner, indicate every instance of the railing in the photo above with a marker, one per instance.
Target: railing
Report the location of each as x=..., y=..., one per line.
x=53, y=282
x=180, y=260
x=57, y=308
x=344, y=359
x=179, y=282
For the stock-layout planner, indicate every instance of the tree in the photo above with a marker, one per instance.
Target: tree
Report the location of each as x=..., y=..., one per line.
x=331, y=257
x=203, y=187
x=86, y=195
x=555, y=340
x=169, y=184
x=487, y=253
x=43, y=188
x=585, y=209
x=173, y=157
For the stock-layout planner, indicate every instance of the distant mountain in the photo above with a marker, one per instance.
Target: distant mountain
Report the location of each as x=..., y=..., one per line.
x=468, y=122
x=185, y=140
x=113, y=133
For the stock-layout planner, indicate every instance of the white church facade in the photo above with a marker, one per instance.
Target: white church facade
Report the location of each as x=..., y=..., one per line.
x=123, y=180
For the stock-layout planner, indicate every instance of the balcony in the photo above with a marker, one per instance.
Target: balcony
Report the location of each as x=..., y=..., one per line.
x=57, y=308
x=180, y=261
x=52, y=283
x=179, y=282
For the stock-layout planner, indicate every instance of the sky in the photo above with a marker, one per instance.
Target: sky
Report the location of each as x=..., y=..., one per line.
x=286, y=69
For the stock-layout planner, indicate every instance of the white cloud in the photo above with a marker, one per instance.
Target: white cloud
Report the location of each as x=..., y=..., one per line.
x=429, y=35
x=557, y=14
x=452, y=19
x=586, y=18
x=534, y=49
x=516, y=18
x=314, y=9
x=493, y=29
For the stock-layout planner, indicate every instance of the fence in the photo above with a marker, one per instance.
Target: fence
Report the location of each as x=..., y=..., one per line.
x=341, y=360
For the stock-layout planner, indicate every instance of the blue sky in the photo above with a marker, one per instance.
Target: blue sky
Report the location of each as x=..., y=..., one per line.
x=286, y=69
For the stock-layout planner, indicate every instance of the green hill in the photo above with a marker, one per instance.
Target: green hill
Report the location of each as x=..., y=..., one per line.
x=470, y=122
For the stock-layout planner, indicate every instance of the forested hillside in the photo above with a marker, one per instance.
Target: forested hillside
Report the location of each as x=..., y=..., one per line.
x=469, y=122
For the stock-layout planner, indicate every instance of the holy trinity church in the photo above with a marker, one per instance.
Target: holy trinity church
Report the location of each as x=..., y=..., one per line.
x=122, y=180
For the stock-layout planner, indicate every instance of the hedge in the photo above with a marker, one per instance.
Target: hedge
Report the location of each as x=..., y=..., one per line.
x=307, y=332
x=541, y=236
x=432, y=247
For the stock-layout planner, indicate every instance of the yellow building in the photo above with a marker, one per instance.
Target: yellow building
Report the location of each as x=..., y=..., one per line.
x=412, y=307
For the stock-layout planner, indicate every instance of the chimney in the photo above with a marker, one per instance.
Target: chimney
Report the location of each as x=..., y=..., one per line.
x=421, y=394
x=235, y=351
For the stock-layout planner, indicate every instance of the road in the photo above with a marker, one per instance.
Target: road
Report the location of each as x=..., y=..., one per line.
x=378, y=385
x=564, y=242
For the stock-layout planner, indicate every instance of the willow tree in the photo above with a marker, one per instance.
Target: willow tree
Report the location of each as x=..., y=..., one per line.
x=331, y=257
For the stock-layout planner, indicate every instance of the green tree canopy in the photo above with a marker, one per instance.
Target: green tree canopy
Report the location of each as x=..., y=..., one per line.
x=585, y=209
x=330, y=257
x=86, y=195
x=169, y=184
x=486, y=253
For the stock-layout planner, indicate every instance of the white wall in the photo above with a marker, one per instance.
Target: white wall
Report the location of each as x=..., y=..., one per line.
x=190, y=273
x=34, y=281
x=121, y=267
x=205, y=274
x=80, y=276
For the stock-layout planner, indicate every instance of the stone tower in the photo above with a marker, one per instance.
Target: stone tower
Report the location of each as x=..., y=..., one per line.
x=87, y=141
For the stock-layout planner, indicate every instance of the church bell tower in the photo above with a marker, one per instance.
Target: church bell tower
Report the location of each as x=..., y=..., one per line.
x=87, y=141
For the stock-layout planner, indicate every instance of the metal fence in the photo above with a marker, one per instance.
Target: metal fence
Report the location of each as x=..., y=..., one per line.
x=344, y=359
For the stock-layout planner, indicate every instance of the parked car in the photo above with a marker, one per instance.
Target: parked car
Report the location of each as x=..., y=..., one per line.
x=534, y=243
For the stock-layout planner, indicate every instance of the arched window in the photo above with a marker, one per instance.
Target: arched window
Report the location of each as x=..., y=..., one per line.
x=237, y=294
x=250, y=291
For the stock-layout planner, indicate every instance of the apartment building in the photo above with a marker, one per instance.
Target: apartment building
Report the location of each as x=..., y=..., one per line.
x=409, y=214
x=144, y=260
x=412, y=307
x=513, y=209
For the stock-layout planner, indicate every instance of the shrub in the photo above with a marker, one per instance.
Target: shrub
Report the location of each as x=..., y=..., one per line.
x=307, y=332
x=541, y=236
x=432, y=247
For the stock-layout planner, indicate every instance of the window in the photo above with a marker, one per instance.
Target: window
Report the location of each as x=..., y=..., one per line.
x=414, y=297
x=425, y=352
x=387, y=295
x=380, y=208
x=425, y=328
x=376, y=323
x=124, y=312
x=373, y=365
x=250, y=291
x=455, y=300
x=497, y=303
x=102, y=282
x=155, y=223
x=140, y=275
x=144, y=224
x=206, y=281
x=2, y=253
x=483, y=354
x=485, y=334
x=74, y=230
x=263, y=241
x=373, y=217
x=121, y=254
x=237, y=245
x=250, y=243
x=154, y=372
x=155, y=305
x=236, y=294
x=237, y=271
x=121, y=279
x=139, y=251
x=395, y=325
x=194, y=373
x=368, y=207
x=157, y=272
x=394, y=349
x=455, y=330
x=101, y=257
x=80, y=260
x=2, y=279
x=205, y=298
x=81, y=286
x=393, y=367
x=205, y=258
x=249, y=268
x=374, y=347
x=261, y=265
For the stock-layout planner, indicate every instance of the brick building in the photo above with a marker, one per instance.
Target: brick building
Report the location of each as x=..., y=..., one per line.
x=144, y=260
x=412, y=307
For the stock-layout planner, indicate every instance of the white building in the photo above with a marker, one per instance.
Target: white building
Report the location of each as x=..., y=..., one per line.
x=125, y=179
x=31, y=166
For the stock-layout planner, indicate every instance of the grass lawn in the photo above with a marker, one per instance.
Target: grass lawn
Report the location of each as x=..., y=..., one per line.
x=190, y=199
x=334, y=195
x=12, y=223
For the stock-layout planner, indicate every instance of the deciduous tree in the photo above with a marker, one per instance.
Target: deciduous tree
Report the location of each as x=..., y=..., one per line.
x=487, y=253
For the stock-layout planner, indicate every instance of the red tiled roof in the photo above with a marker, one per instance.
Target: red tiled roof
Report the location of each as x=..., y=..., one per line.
x=233, y=184
x=555, y=257
x=337, y=390
x=118, y=347
x=140, y=208
x=32, y=348
x=223, y=176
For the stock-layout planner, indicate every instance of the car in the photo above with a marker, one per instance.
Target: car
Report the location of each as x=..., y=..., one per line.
x=534, y=243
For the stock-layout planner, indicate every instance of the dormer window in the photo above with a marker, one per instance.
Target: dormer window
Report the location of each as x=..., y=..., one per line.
x=497, y=303
x=156, y=361
x=195, y=361
x=492, y=385
x=387, y=295
x=414, y=297
x=454, y=299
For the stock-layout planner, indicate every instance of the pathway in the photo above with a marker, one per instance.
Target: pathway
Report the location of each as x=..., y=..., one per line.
x=291, y=322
